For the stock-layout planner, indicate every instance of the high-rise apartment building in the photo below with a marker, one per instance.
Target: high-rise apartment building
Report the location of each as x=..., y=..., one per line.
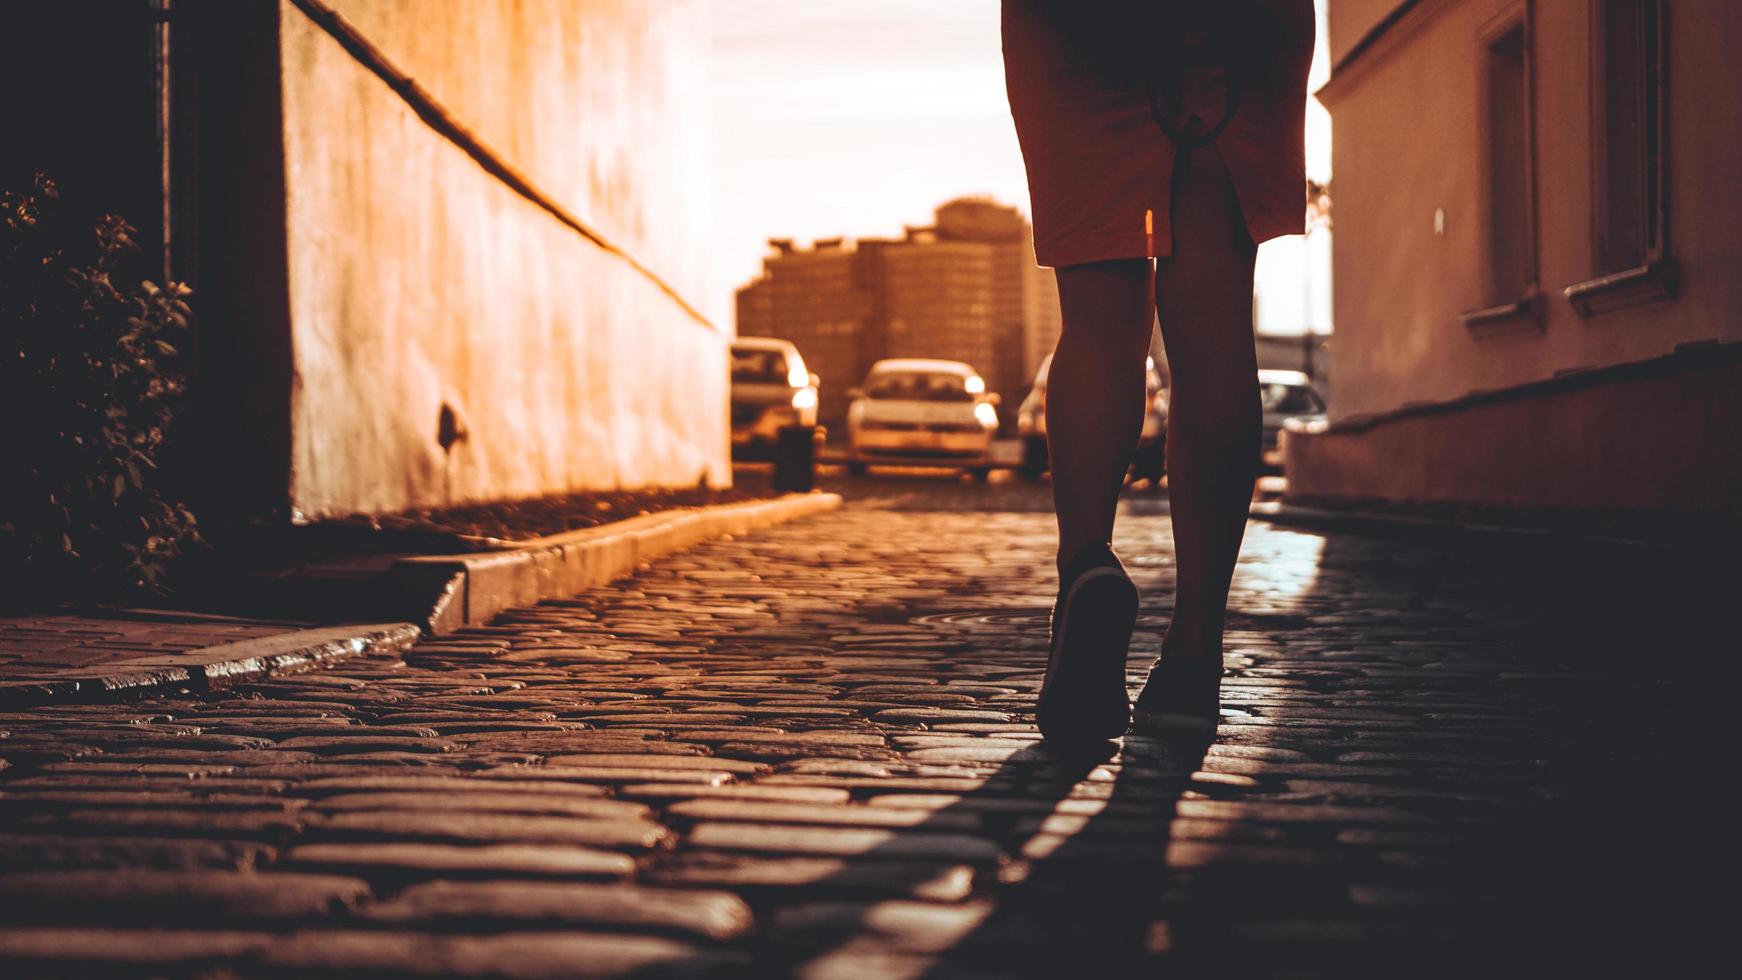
x=965, y=289
x=816, y=299
x=1025, y=307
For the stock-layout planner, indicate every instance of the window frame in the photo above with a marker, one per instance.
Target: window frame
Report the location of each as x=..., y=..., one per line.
x=1515, y=16
x=1654, y=280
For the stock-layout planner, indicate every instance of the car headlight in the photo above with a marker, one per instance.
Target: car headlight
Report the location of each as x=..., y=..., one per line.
x=987, y=415
x=804, y=398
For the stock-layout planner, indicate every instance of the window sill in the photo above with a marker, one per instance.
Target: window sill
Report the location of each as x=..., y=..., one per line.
x=1525, y=310
x=1654, y=282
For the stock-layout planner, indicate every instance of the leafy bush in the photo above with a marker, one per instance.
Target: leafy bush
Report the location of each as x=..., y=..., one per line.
x=90, y=382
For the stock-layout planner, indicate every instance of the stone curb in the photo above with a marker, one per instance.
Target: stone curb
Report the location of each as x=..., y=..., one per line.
x=1411, y=526
x=444, y=591
x=473, y=588
x=211, y=667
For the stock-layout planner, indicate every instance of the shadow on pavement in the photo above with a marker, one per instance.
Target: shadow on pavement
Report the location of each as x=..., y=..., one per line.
x=1071, y=889
x=1434, y=759
x=1472, y=722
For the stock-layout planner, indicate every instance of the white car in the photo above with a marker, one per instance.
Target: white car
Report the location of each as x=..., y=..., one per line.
x=922, y=412
x=771, y=389
x=1285, y=395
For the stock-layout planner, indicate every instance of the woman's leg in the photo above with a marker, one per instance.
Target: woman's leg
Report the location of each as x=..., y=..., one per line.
x=1094, y=394
x=1094, y=414
x=1214, y=425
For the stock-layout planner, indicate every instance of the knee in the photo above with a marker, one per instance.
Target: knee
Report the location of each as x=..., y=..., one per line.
x=1107, y=304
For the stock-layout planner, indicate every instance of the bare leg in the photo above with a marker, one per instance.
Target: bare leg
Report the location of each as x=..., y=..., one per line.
x=1094, y=414
x=1204, y=298
x=1094, y=398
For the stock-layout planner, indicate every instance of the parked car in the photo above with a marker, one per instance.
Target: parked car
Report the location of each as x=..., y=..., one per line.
x=922, y=412
x=1284, y=395
x=1147, y=462
x=771, y=389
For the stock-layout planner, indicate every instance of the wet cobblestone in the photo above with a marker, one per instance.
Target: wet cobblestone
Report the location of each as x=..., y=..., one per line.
x=812, y=751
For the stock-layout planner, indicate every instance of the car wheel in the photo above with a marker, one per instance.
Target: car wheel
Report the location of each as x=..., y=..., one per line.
x=1033, y=458
x=1149, y=463
x=980, y=473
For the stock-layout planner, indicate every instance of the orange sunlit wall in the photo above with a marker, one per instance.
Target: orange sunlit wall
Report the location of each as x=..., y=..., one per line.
x=417, y=280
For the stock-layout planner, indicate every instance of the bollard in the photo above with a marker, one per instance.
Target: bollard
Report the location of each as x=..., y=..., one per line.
x=795, y=459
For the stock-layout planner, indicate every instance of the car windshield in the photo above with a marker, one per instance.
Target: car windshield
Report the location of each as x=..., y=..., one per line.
x=918, y=387
x=1290, y=399
x=765, y=367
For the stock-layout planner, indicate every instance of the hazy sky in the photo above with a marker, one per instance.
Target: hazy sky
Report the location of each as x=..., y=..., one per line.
x=853, y=118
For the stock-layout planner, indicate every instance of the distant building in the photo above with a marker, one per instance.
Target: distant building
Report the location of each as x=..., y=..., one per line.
x=1536, y=288
x=935, y=299
x=817, y=299
x=1025, y=304
x=965, y=289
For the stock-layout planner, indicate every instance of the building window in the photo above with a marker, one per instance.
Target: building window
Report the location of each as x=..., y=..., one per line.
x=1508, y=168
x=1508, y=208
x=1629, y=242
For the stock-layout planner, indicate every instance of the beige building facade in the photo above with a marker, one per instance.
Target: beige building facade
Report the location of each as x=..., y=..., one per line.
x=1536, y=287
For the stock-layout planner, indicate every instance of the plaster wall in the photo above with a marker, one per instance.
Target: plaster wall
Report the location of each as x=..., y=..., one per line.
x=1662, y=442
x=1407, y=142
x=1348, y=21
x=418, y=280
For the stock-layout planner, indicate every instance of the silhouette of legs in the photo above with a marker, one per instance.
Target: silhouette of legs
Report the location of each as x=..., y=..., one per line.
x=1214, y=426
x=1094, y=398
x=1203, y=294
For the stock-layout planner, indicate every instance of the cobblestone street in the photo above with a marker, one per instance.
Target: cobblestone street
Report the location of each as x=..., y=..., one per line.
x=811, y=750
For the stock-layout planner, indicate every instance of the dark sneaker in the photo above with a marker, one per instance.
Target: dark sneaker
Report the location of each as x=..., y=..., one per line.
x=1182, y=694
x=1084, y=696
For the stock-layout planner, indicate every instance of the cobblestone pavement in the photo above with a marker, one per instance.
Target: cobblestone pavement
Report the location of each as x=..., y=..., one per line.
x=811, y=751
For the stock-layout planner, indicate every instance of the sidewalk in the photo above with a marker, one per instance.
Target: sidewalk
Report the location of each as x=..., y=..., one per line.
x=460, y=577
x=69, y=639
x=77, y=655
x=809, y=750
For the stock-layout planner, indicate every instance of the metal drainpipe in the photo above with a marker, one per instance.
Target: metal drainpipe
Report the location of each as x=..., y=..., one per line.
x=160, y=71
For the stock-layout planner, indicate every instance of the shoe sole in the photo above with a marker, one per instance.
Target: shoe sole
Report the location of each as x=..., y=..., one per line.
x=1164, y=722
x=1085, y=696
x=1179, y=700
